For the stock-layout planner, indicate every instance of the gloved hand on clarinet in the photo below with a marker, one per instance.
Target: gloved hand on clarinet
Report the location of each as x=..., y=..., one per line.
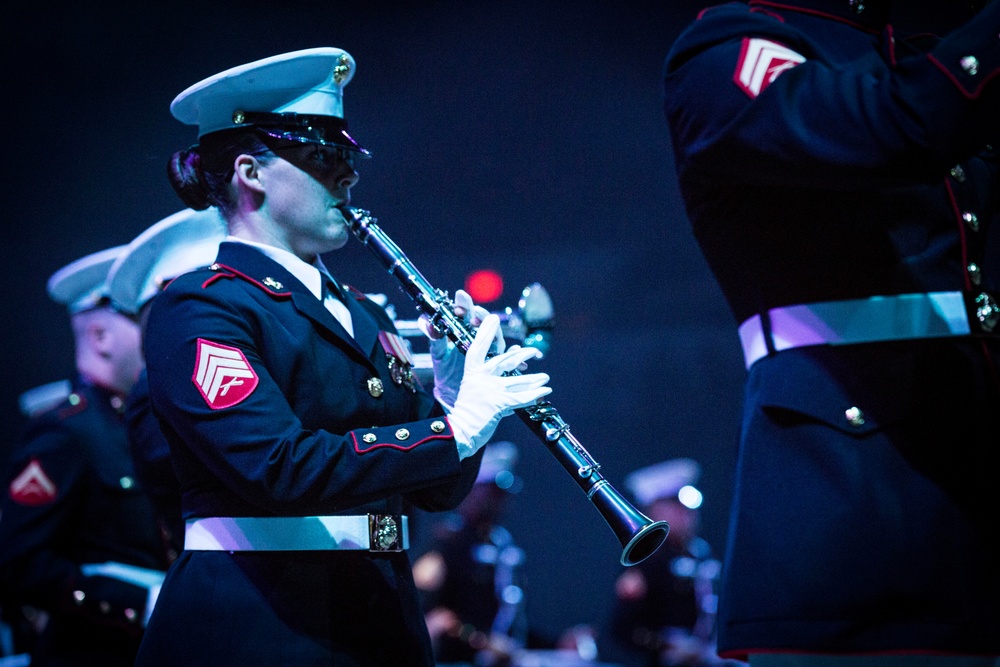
x=485, y=395
x=448, y=361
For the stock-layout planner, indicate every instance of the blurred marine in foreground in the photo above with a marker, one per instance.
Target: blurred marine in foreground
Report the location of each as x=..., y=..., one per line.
x=838, y=161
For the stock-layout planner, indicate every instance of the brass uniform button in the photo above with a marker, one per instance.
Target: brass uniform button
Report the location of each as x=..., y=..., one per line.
x=369, y=438
x=854, y=416
x=958, y=173
x=127, y=482
x=972, y=220
x=402, y=434
x=343, y=69
x=105, y=607
x=437, y=426
x=987, y=312
x=970, y=64
x=375, y=387
x=975, y=273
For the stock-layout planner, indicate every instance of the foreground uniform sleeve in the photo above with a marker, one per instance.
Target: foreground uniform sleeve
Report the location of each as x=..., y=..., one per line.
x=751, y=99
x=440, y=496
x=256, y=447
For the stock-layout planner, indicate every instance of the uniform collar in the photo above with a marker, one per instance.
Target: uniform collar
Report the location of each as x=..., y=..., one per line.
x=309, y=275
x=257, y=264
x=107, y=398
x=874, y=15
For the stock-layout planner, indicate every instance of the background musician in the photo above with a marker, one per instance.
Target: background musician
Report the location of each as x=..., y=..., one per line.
x=80, y=555
x=664, y=613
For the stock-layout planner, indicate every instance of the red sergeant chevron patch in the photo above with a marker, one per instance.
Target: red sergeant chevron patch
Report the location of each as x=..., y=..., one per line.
x=32, y=487
x=760, y=63
x=222, y=374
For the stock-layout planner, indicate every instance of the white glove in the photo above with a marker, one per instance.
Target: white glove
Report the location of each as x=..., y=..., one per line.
x=447, y=359
x=486, y=395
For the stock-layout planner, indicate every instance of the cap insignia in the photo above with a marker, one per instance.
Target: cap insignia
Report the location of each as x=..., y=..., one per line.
x=342, y=70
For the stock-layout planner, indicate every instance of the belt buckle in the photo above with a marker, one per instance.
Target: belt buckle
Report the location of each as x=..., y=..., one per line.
x=385, y=533
x=986, y=312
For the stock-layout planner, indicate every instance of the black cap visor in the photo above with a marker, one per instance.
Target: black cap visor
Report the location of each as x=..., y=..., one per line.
x=302, y=128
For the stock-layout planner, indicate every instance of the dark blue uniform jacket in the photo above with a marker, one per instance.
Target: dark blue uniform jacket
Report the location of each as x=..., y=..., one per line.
x=151, y=458
x=71, y=499
x=293, y=446
x=859, y=163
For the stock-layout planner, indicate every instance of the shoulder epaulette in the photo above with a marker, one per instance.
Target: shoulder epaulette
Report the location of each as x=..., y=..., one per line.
x=74, y=404
x=268, y=284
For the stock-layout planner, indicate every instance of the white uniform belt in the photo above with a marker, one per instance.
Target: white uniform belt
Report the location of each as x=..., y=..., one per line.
x=366, y=532
x=877, y=318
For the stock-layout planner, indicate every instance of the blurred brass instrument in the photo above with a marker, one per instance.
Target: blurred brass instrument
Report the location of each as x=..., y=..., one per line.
x=529, y=325
x=639, y=535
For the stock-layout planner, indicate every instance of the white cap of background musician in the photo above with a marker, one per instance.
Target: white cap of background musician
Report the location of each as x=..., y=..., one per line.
x=671, y=479
x=81, y=284
x=181, y=242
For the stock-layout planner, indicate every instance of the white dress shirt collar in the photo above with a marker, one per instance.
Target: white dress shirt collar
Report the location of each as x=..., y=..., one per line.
x=310, y=275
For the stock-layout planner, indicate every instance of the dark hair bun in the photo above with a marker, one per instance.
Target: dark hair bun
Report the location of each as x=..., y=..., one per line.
x=188, y=179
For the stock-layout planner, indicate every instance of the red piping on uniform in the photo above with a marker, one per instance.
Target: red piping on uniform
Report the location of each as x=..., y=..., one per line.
x=989, y=362
x=358, y=294
x=71, y=410
x=975, y=93
x=216, y=276
x=961, y=233
x=742, y=654
x=766, y=12
x=377, y=445
x=890, y=33
x=233, y=273
x=812, y=12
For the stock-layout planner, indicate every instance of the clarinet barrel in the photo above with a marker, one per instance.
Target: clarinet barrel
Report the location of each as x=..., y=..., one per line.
x=639, y=535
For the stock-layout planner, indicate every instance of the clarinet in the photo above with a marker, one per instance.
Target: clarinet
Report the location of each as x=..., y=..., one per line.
x=639, y=535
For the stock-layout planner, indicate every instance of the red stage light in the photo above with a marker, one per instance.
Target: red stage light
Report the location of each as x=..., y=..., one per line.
x=484, y=285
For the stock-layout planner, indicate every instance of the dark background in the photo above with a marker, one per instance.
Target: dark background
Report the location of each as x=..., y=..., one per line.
x=525, y=137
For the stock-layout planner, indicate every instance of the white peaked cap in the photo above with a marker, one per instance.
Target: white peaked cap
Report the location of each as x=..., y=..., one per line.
x=182, y=242
x=310, y=81
x=662, y=480
x=80, y=285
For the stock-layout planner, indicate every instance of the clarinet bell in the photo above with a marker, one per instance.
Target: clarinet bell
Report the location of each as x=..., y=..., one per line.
x=639, y=535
